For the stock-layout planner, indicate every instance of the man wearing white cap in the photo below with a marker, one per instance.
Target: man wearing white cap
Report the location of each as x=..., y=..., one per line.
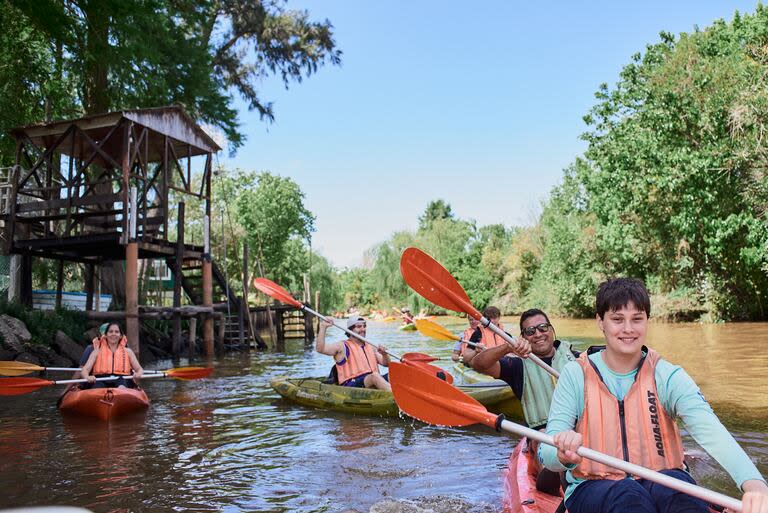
x=357, y=363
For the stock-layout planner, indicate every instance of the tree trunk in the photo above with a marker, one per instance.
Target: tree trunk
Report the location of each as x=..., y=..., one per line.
x=96, y=93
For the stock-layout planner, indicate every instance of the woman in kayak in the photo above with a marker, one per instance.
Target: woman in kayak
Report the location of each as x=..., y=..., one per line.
x=623, y=399
x=112, y=357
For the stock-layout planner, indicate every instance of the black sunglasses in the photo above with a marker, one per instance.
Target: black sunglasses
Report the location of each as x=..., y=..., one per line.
x=530, y=330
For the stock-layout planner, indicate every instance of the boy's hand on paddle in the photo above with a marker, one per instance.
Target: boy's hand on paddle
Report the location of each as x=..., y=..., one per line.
x=567, y=443
x=91, y=378
x=755, y=499
x=324, y=325
x=382, y=350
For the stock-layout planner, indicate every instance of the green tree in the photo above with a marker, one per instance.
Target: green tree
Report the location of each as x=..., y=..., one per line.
x=139, y=53
x=436, y=209
x=271, y=210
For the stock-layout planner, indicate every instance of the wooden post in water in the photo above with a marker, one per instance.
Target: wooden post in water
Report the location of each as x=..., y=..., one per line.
x=207, y=288
x=246, y=311
x=273, y=334
x=177, y=279
x=192, y=336
x=317, y=308
x=132, y=276
x=222, y=319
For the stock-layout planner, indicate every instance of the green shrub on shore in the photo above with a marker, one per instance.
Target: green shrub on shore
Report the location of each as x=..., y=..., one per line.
x=43, y=324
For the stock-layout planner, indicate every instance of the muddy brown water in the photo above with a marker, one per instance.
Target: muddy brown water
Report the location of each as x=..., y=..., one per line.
x=229, y=443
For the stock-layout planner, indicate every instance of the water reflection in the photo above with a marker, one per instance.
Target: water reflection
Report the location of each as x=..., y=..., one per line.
x=230, y=444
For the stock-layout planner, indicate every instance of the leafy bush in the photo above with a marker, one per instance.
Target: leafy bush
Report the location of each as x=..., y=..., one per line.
x=43, y=324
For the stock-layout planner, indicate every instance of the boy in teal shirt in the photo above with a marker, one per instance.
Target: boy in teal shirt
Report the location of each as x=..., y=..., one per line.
x=623, y=399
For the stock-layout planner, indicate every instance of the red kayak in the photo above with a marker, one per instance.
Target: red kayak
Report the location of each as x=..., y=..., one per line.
x=520, y=493
x=104, y=403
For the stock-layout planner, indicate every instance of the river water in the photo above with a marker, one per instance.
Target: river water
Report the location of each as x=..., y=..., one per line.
x=229, y=443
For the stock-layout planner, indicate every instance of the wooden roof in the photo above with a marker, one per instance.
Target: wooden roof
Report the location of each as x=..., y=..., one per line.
x=173, y=122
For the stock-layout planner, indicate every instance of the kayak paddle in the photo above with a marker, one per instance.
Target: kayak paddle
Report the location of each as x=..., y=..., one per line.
x=15, y=368
x=275, y=291
x=436, y=331
x=434, y=283
x=19, y=386
x=421, y=357
x=433, y=401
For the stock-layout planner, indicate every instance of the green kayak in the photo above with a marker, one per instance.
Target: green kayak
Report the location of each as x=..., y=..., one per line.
x=365, y=401
x=407, y=327
x=470, y=375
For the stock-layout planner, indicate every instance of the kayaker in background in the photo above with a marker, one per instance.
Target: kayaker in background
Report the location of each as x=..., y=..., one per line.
x=530, y=383
x=357, y=363
x=112, y=357
x=623, y=399
x=484, y=336
x=407, y=315
x=461, y=346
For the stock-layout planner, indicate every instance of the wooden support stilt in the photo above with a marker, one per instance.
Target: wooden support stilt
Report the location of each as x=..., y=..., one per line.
x=207, y=289
x=177, y=279
x=90, y=276
x=132, y=279
x=59, y=282
x=132, y=295
x=192, y=336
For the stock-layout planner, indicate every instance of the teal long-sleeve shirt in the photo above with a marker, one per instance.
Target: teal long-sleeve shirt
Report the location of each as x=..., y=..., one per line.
x=680, y=397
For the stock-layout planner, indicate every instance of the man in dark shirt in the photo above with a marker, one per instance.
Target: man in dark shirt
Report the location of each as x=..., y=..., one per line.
x=529, y=382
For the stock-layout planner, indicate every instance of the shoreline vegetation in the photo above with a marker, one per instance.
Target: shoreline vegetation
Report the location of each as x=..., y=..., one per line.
x=672, y=188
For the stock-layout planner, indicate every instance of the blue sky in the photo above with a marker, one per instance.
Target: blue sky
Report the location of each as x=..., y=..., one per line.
x=479, y=104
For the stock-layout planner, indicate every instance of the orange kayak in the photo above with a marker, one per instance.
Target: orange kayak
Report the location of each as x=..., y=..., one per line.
x=520, y=493
x=104, y=403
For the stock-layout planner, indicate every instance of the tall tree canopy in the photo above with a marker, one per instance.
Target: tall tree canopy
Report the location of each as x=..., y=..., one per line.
x=436, y=209
x=140, y=53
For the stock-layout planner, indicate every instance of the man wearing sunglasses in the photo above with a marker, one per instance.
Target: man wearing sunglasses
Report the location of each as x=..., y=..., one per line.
x=357, y=363
x=531, y=384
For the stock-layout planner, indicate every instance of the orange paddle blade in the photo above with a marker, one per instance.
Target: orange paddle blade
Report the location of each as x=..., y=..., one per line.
x=418, y=357
x=432, y=370
x=434, y=283
x=18, y=368
x=189, y=373
x=434, y=330
x=19, y=386
x=275, y=291
x=431, y=400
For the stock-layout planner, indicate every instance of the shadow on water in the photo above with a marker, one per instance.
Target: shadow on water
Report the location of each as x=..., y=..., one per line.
x=229, y=443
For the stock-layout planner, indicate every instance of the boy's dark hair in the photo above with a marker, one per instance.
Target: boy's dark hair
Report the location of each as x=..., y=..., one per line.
x=530, y=313
x=619, y=292
x=491, y=312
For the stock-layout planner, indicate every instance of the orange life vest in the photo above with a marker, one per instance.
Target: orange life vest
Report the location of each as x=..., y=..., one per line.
x=636, y=429
x=360, y=359
x=465, y=336
x=109, y=363
x=490, y=338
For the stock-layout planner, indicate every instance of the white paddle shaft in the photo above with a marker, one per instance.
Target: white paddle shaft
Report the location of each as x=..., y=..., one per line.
x=156, y=374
